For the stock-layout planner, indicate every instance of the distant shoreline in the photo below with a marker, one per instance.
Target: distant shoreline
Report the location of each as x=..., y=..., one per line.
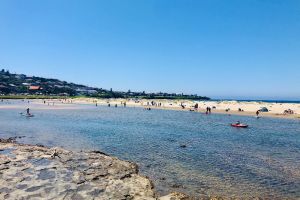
x=223, y=112
x=247, y=108
x=178, y=99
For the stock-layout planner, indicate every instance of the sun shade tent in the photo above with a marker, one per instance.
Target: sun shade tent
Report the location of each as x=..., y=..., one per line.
x=264, y=109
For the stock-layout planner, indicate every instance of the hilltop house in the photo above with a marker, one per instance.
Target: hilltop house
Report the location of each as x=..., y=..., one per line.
x=33, y=87
x=20, y=76
x=86, y=91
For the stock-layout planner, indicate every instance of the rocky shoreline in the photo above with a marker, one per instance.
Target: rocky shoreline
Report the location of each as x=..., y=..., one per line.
x=38, y=172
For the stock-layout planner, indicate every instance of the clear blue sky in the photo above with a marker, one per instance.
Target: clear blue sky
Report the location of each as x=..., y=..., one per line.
x=218, y=48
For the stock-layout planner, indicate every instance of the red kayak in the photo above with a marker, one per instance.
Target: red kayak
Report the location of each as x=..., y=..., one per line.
x=239, y=125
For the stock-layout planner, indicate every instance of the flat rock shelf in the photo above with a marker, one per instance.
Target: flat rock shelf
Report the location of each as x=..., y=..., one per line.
x=37, y=172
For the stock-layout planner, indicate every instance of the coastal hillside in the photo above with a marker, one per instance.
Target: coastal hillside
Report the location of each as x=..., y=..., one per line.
x=20, y=84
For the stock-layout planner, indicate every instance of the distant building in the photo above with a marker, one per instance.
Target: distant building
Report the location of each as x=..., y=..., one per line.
x=86, y=91
x=32, y=87
x=20, y=76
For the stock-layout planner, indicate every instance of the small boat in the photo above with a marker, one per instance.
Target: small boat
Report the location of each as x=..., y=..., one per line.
x=239, y=125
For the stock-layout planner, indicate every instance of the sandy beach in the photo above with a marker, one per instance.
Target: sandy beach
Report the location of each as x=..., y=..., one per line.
x=222, y=107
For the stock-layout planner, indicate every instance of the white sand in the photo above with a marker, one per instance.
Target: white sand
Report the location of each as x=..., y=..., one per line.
x=249, y=108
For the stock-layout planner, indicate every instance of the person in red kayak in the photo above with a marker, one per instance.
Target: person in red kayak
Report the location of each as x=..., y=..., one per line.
x=239, y=125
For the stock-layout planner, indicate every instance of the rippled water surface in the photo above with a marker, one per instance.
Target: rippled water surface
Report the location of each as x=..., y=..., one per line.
x=219, y=160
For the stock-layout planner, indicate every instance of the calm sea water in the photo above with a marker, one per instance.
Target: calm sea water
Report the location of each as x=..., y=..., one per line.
x=263, y=160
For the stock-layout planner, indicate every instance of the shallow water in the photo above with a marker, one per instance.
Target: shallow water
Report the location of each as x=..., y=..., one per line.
x=219, y=160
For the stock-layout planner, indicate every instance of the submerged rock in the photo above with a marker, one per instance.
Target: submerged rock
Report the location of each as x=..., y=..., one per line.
x=55, y=173
x=38, y=172
x=175, y=196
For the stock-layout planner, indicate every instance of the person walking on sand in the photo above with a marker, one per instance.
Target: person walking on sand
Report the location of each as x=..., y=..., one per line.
x=196, y=106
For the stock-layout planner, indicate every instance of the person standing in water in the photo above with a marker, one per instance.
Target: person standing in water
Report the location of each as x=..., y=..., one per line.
x=257, y=113
x=27, y=111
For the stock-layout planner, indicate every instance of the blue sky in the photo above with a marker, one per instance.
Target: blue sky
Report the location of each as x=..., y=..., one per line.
x=222, y=49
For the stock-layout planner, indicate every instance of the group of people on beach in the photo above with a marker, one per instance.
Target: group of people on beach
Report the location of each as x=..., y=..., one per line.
x=123, y=103
x=153, y=103
x=208, y=110
x=288, y=111
x=116, y=105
